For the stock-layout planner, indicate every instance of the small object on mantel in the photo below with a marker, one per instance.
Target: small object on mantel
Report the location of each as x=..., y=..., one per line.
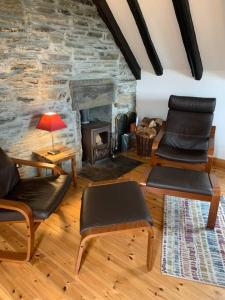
x=65, y=153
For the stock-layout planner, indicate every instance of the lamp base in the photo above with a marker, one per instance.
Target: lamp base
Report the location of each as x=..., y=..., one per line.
x=53, y=152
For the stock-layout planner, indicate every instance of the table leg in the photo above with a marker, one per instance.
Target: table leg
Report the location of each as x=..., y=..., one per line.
x=74, y=170
x=213, y=211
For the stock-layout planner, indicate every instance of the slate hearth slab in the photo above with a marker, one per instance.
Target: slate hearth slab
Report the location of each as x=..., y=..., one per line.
x=109, y=168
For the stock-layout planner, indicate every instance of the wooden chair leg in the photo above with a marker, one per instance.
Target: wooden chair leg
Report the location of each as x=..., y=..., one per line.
x=213, y=211
x=30, y=242
x=150, y=249
x=79, y=255
x=104, y=232
x=22, y=256
x=31, y=238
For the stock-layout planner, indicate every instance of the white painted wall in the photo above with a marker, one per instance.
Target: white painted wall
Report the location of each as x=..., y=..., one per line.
x=153, y=92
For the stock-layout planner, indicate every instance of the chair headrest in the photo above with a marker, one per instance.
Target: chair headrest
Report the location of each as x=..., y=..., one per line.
x=192, y=104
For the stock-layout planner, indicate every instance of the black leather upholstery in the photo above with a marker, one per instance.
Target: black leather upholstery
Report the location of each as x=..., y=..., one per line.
x=188, y=130
x=42, y=194
x=112, y=204
x=180, y=179
x=9, y=175
x=182, y=155
x=188, y=126
x=193, y=104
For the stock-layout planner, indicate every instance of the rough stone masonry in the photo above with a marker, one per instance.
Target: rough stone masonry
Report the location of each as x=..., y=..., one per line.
x=44, y=44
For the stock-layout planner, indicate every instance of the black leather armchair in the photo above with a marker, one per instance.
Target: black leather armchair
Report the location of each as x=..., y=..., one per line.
x=29, y=200
x=186, y=139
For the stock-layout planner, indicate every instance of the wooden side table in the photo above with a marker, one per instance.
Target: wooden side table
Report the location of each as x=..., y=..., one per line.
x=64, y=154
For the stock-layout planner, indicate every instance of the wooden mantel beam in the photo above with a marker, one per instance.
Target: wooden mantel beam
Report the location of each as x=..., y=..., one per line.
x=183, y=14
x=144, y=32
x=107, y=16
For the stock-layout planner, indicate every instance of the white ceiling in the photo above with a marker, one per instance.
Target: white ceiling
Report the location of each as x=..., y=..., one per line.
x=209, y=22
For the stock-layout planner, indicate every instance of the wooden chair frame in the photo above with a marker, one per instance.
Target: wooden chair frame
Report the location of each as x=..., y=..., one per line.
x=94, y=232
x=31, y=223
x=214, y=199
x=115, y=228
x=156, y=160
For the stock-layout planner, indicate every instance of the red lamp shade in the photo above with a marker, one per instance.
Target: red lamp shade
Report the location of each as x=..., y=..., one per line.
x=51, y=121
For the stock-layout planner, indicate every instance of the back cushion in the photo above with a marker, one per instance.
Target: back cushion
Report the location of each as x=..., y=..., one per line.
x=9, y=175
x=188, y=130
x=193, y=104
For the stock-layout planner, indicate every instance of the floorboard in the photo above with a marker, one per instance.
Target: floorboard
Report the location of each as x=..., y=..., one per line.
x=114, y=266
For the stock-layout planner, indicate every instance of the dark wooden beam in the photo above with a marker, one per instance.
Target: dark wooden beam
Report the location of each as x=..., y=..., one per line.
x=107, y=16
x=183, y=14
x=147, y=41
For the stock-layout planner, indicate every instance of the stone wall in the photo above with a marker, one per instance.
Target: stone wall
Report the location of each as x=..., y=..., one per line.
x=44, y=45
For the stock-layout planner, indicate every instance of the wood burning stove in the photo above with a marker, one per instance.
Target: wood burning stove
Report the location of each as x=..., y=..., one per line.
x=96, y=141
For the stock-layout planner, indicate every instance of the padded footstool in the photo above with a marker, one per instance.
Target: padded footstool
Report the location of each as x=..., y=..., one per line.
x=187, y=184
x=111, y=208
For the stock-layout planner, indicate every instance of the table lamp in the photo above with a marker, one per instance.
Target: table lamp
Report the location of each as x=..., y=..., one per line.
x=51, y=121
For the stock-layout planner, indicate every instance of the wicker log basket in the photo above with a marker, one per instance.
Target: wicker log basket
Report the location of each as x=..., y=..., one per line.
x=145, y=134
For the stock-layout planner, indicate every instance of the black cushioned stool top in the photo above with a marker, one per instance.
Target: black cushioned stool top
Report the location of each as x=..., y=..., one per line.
x=180, y=179
x=111, y=204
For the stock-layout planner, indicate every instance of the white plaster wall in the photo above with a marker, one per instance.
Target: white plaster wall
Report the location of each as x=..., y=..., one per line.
x=153, y=92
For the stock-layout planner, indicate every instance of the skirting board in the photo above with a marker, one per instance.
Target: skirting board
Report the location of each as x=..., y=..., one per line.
x=219, y=162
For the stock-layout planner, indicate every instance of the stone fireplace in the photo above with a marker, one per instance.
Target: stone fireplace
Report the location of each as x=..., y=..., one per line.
x=94, y=99
x=95, y=95
x=55, y=55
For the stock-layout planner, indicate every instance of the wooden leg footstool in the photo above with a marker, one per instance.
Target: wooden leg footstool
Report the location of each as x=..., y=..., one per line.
x=111, y=208
x=185, y=183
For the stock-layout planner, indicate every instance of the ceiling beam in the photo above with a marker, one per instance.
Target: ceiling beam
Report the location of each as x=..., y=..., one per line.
x=107, y=16
x=183, y=14
x=147, y=41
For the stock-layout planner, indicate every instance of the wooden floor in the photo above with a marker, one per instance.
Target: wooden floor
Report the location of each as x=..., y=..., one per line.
x=114, y=267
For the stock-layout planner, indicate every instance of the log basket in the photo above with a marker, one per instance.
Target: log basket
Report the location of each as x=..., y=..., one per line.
x=144, y=142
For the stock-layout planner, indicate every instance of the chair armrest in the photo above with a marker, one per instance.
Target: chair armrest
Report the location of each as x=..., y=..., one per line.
x=211, y=141
x=19, y=206
x=38, y=164
x=158, y=137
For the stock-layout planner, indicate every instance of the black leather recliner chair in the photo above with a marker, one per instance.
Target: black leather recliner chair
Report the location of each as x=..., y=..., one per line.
x=186, y=139
x=29, y=200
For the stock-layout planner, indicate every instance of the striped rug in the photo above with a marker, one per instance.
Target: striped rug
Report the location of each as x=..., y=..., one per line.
x=189, y=250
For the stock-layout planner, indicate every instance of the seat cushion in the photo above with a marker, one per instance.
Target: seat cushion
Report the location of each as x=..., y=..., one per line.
x=42, y=194
x=180, y=180
x=182, y=155
x=112, y=204
x=9, y=175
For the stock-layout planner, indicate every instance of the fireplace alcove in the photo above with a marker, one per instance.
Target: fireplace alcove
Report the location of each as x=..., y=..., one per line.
x=95, y=97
